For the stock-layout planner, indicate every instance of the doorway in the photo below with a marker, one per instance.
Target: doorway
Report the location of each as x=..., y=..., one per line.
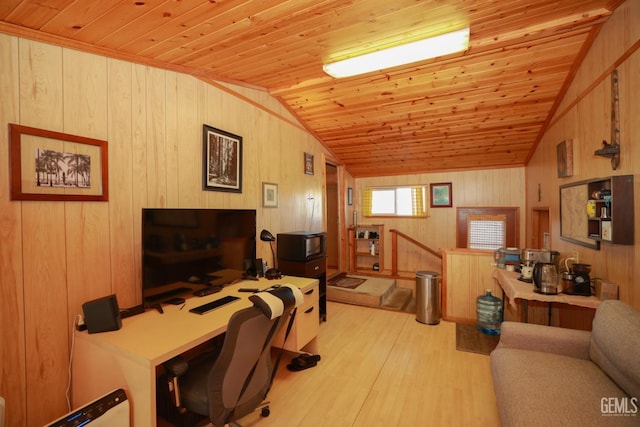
x=540, y=233
x=333, y=220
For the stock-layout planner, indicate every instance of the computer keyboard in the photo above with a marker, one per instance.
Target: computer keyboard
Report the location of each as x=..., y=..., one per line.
x=205, y=308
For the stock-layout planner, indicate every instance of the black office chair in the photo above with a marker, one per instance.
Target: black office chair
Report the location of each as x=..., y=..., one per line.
x=236, y=382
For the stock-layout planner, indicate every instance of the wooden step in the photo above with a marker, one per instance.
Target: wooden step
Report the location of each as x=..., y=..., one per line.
x=371, y=293
x=397, y=299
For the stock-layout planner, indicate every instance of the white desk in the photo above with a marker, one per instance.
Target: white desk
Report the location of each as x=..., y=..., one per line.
x=516, y=289
x=128, y=358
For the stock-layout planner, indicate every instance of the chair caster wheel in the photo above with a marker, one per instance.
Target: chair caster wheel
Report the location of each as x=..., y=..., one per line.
x=265, y=412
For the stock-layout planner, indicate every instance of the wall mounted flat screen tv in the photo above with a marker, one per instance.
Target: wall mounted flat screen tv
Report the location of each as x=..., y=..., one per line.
x=186, y=250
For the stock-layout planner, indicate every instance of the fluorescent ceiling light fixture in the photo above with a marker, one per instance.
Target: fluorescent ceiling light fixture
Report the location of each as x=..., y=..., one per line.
x=420, y=50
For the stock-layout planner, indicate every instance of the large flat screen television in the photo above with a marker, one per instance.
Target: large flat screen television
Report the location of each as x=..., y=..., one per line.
x=186, y=250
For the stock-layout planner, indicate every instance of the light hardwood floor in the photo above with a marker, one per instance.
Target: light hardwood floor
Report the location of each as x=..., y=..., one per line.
x=382, y=368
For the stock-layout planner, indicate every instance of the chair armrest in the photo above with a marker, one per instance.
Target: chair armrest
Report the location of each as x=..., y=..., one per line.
x=547, y=339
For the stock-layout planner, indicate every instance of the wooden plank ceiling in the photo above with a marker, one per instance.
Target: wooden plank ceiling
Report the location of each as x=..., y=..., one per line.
x=484, y=108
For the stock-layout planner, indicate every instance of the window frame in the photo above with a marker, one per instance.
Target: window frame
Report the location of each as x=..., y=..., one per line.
x=492, y=220
x=424, y=188
x=512, y=238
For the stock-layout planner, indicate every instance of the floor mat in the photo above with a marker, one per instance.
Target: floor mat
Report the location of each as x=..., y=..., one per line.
x=469, y=339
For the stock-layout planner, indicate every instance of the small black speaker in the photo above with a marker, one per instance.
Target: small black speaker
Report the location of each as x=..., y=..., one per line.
x=102, y=314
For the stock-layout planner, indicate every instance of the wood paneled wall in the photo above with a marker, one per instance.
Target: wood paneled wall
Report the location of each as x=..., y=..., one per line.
x=496, y=187
x=56, y=255
x=584, y=115
x=466, y=275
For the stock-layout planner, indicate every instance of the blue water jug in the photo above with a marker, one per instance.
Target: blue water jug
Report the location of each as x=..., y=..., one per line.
x=489, y=309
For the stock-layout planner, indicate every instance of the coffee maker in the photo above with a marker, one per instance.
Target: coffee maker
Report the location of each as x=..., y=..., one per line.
x=528, y=262
x=531, y=257
x=581, y=281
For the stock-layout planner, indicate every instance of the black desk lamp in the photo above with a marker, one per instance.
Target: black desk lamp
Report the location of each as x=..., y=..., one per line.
x=271, y=273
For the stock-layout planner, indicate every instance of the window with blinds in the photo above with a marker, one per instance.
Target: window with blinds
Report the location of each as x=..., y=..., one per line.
x=486, y=231
x=395, y=201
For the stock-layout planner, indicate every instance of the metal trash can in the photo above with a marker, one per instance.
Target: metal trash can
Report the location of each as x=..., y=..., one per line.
x=428, y=297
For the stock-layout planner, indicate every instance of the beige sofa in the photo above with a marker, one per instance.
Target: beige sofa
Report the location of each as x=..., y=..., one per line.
x=549, y=376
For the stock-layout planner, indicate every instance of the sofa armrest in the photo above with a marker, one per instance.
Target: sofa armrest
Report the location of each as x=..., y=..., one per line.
x=547, y=339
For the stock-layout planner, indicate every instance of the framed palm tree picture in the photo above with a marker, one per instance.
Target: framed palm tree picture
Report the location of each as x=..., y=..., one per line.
x=55, y=166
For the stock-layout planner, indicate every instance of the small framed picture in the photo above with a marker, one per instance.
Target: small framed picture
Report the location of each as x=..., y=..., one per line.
x=564, y=152
x=308, y=163
x=269, y=195
x=349, y=196
x=221, y=160
x=441, y=196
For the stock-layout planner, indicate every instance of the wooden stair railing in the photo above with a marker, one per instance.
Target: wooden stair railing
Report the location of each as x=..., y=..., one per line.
x=394, y=249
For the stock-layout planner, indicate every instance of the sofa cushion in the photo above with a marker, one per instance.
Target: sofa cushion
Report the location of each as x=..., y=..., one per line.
x=548, y=339
x=543, y=389
x=615, y=344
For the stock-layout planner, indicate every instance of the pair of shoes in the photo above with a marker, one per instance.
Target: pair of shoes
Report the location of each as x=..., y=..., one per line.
x=306, y=358
x=304, y=361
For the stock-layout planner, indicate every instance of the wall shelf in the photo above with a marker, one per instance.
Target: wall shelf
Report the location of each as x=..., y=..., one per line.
x=608, y=151
x=613, y=199
x=598, y=210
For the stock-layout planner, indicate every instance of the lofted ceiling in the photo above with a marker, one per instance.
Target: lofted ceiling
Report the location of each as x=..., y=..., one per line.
x=483, y=108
